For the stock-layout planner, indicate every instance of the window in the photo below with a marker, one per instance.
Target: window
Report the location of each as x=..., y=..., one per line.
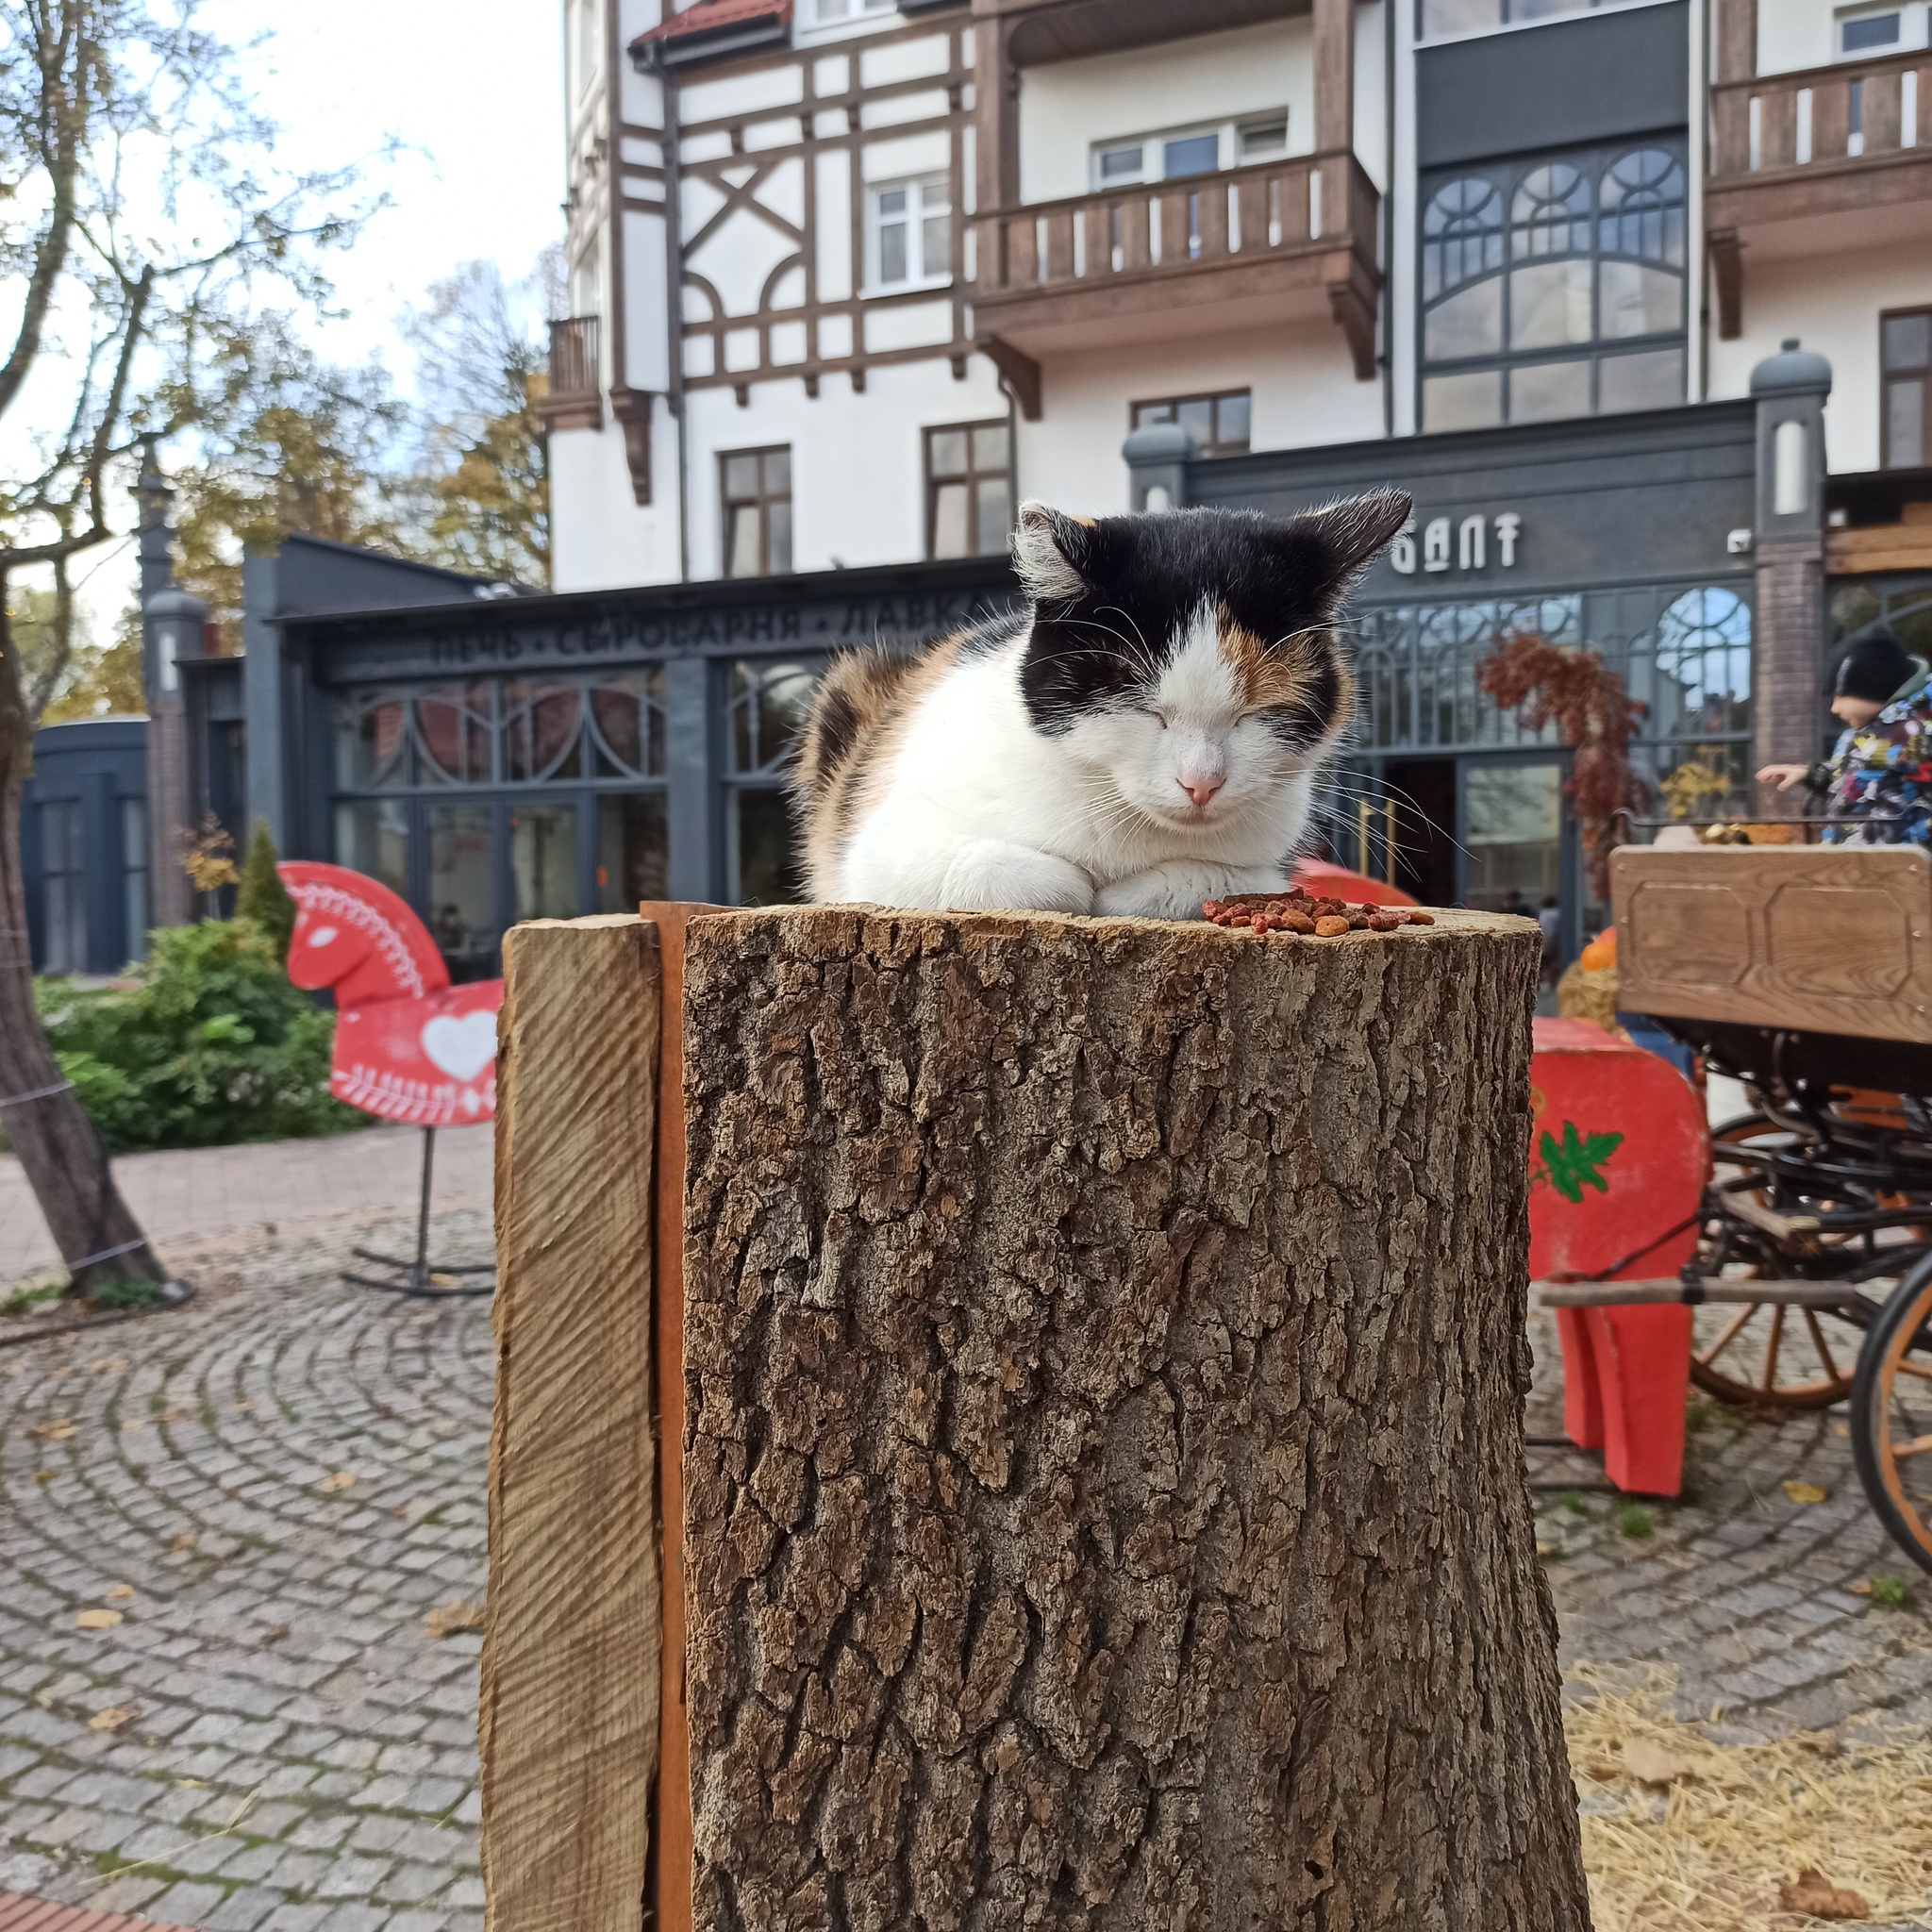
x=758, y=513
x=968, y=490
x=911, y=245
x=832, y=12
x=1554, y=287
x=1190, y=151
x=1905, y=357
x=133, y=876
x=1439, y=20
x=63, y=875
x=1870, y=33
x=765, y=714
x=1218, y=424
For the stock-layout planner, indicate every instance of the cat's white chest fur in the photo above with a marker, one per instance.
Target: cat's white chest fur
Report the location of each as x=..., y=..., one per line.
x=975, y=807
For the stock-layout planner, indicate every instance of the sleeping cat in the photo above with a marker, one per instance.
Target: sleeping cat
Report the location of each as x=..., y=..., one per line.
x=1144, y=736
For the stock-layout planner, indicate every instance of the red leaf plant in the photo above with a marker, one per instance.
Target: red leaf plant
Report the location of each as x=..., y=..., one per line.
x=1593, y=714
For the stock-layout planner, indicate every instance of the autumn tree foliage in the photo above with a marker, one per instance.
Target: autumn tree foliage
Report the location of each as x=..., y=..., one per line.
x=1585, y=700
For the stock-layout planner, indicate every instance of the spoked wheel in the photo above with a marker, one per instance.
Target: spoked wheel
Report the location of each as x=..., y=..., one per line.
x=1773, y=1355
x=1891, y=1415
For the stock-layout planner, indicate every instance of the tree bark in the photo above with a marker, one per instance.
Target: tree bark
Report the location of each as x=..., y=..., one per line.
x=1103, y=1489
x=60, y=1150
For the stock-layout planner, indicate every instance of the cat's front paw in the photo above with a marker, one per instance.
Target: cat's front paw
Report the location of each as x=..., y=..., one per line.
x=1178, y=890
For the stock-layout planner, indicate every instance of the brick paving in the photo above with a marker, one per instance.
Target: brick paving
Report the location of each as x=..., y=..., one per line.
x=202, y=1193
x=19, y=1915
x=301, y=1752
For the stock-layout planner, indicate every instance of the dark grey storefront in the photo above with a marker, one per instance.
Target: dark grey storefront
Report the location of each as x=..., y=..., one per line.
x=534, y=758
x=1630, y=536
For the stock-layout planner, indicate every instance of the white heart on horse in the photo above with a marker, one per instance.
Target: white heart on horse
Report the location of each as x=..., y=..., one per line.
x=462, y=1047
x=322, y=934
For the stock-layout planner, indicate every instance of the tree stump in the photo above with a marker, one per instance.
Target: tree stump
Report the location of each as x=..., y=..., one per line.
x=1103, y=1489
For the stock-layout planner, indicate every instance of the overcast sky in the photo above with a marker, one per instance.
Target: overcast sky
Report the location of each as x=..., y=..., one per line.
x=475, y=93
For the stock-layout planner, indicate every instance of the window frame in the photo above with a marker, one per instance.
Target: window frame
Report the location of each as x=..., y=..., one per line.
x=765, y=497
x=1423, y=38
x=1507, y=179
x=1227, y=133
x=1220, y=446
x=971, y=475
x=1923, y=370
x=914, y=187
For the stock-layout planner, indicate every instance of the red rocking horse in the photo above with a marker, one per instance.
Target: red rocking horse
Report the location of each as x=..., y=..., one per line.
x=408, y=1046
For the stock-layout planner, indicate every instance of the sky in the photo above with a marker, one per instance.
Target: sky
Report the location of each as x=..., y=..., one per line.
x=474, y=92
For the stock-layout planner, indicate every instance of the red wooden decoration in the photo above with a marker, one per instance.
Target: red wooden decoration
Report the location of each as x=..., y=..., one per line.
x=409, y=1046
x=1619, y=1151
x=1338, y=882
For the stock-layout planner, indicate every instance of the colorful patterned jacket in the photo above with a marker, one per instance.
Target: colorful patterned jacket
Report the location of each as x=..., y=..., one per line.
x=1882, y=773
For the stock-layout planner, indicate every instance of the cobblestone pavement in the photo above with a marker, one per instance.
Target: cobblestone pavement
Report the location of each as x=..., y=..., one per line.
x=300, y=1751
x=265, y=1735
x=196, y=1195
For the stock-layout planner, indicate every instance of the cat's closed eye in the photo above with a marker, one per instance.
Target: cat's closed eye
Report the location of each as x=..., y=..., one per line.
x=1158, y=716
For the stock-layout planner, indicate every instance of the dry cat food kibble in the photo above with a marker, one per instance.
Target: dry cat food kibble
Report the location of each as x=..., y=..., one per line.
x=1302, y=911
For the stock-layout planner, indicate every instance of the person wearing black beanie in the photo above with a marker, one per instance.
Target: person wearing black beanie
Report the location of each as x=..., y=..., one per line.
x=1881, y=768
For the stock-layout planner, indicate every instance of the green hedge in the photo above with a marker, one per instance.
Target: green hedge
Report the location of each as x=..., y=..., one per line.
x=211, y=1045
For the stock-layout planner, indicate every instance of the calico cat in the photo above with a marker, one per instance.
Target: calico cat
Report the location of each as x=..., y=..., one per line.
x=1143, y=735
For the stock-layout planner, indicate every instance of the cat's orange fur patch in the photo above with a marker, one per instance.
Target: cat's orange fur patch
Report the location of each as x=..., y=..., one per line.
x=1269, y=680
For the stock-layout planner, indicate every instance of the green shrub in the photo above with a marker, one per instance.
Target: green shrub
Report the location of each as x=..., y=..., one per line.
x=262, y=895
x=211, y=1045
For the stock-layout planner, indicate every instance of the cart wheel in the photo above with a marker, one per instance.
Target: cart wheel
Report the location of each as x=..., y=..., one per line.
x=1891, y=1415
x=1769, y=1355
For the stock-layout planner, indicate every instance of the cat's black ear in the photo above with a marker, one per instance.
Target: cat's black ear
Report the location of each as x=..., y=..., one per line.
x=1057, y=555
x=1330, y=548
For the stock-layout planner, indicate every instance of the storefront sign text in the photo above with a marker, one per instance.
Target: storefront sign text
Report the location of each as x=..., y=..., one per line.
x=1468, y=539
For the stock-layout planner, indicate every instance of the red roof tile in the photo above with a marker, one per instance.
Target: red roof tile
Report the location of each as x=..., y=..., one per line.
x=710, y=13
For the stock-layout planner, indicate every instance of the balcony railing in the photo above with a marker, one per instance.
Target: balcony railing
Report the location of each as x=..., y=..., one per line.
x=1851, y=110
x=1158, y=237
x=573, y=401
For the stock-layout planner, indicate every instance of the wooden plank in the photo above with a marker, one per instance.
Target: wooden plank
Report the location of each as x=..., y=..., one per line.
x=1137, y=251
x=1881, y=546
x=1211, y=204
x=1612, y=1294
x=1254, y=211
x=1882, y=111
x=568, y=1708
x=1777, y=125
x=1059, y=246
x=674, y=1736
x=1826, y=939
x=1831, y=118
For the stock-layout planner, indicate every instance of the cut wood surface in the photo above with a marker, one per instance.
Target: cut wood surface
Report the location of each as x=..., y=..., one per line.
x=568, y=1714
x=1103, y=1491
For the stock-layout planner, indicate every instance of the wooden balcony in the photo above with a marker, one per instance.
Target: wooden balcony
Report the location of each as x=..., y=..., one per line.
x=1256, y=245
x=574, y=400
x=1826, y=156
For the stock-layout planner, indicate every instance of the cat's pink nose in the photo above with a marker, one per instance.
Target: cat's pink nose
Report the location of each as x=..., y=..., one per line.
x=1202, y=788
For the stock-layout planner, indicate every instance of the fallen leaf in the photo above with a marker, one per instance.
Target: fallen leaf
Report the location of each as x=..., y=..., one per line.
x=1826, y=1743
x=1543, y=1549
x=184, y=1542
x=108, y=1362
x=112, y=1718
x=1804, y=1493
x=58, y=1373
x=401, y=1510
x=1809, y=1891
x=97, y=1619
x=447, y=1619
x=1651, y=1764
x=140, y=1421
x=1859, y=1589
x=58, y=1430
x=274, y=1635
x=46, y=1476
x=340, y=1480
x=241, y=1405
x=191, y=1784
x=1840, y=1430
x=119, y=1591
x=172, y=1415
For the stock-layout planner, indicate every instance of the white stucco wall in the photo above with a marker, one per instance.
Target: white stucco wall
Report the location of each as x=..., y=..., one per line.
x=857, y=461
x=1832, y=304
x=1304, y=394
x=600, y=539
x=1793, y=34
x=1067, y=106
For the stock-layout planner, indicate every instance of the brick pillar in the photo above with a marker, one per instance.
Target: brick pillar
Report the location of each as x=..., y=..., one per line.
x=1789, y=710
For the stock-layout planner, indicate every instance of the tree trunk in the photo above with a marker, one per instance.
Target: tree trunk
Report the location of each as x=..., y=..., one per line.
x=1103, y=1489
x=60, y=1150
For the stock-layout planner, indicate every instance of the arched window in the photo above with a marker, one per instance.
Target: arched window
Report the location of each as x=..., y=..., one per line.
x=1587, y=314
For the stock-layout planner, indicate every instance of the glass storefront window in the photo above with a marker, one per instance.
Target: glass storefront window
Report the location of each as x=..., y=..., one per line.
x=370, y=742
x=540, y=731
x=631, y=849
x=134, y=875
x=627, y=724
x=762, y=845
x=543, y=861
x=454, y=729
x=373, y=837
x=462, y=902
x=768, y=705
x=1513, y=826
